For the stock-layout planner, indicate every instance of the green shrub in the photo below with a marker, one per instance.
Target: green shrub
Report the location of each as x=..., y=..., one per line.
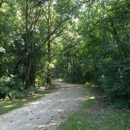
x=10, y=86
x=115, y=81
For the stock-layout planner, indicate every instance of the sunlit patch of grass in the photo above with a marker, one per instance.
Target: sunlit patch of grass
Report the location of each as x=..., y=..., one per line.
x=8, y=105
x=89, y=103
x=86, y=119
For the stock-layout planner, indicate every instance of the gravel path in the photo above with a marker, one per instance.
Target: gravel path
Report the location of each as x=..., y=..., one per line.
x=48, y=112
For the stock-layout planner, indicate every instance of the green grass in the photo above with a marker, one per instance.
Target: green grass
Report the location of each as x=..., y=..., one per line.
x=88, y=119
x=8, y=105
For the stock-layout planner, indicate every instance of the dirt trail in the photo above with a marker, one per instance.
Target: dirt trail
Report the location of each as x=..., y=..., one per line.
x=48, y=112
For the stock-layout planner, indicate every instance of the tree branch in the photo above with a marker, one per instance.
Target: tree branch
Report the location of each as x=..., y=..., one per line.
x=1, y=3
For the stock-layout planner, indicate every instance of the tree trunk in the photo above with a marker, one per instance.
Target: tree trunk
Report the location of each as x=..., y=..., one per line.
x=1, y=3
x=27, y=42
x=48, y=78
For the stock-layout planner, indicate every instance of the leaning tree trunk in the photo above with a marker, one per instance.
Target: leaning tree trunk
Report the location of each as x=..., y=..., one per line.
x=48, y=76
x=27, y=62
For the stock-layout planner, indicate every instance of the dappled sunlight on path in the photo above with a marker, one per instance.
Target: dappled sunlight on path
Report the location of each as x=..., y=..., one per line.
x=48, y=112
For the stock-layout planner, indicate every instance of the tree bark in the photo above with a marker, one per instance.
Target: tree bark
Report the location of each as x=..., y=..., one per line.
x=1, y=3
x=48, y=78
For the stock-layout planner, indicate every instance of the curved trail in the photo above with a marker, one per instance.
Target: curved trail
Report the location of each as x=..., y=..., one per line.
x=48, y=112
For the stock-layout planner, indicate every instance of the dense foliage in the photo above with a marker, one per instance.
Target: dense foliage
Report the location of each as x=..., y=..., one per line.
x=101, y=53
x=80, y=41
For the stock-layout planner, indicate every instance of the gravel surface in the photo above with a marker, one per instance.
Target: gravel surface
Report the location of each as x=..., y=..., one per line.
x=48, y=112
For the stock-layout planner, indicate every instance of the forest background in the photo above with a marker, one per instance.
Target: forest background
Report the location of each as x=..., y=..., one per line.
x=81, y=41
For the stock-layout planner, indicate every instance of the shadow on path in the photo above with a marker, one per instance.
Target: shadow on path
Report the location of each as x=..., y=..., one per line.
x=48, y=112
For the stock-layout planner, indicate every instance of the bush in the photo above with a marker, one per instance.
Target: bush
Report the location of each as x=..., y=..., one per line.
x=9, y=86
x=115, y=81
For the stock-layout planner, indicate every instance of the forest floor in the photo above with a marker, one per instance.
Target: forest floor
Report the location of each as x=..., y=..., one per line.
x=48, y=112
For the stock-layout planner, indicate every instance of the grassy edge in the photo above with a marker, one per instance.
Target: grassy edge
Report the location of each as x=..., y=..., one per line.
x=9, y=105
x=88, y=119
